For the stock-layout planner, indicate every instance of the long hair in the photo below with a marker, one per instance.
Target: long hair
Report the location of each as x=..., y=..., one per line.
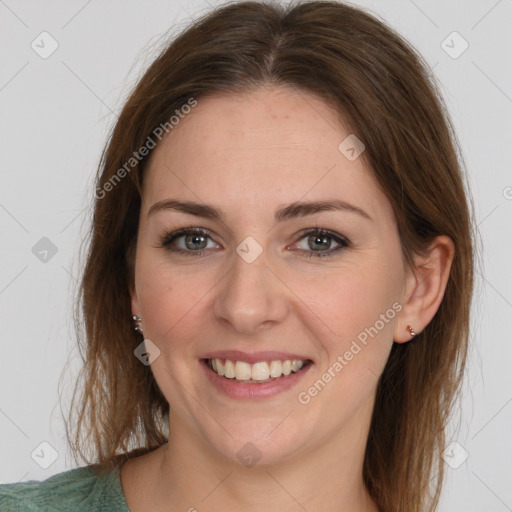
x=386, y=94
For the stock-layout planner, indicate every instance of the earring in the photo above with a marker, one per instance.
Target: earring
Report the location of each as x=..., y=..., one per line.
x=137, y=326
x=411, y=331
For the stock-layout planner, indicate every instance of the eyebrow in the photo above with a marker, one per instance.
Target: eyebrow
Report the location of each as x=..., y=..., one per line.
x=293, y=210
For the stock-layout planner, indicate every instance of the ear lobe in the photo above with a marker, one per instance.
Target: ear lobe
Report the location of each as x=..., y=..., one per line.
x=425, y=287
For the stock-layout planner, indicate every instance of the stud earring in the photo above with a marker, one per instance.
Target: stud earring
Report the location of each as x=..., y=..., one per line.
x=412, y=332
x=137, y=326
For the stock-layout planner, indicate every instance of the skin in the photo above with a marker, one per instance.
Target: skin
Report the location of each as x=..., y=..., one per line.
x=249, y=155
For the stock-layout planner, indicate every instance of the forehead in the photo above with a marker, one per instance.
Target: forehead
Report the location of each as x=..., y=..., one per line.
x=258, y=149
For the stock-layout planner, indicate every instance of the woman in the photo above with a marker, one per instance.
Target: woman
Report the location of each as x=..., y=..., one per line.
x=281, y=213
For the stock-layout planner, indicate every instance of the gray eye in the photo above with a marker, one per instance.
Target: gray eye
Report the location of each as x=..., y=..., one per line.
x=195, y=241
x=319, y=242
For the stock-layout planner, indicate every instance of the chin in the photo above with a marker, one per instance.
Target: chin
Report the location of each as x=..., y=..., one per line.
x=256, y=446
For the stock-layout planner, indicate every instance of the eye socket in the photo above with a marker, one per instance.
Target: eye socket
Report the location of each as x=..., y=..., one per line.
x=319, y=239
x=195, y=242
x=191, y=237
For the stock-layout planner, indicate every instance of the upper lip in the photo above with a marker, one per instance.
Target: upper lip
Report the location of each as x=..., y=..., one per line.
x=254, y=357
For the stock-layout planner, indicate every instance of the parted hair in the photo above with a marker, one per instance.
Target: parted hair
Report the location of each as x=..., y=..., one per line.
x=387, y=95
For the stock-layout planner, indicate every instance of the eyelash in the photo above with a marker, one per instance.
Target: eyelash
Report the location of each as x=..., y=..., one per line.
x=171, y=236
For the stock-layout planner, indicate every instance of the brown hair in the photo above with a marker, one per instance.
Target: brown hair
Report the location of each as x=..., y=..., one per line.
x=386, y=94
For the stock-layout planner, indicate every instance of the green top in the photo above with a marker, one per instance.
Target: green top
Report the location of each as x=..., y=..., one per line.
x=76, y=490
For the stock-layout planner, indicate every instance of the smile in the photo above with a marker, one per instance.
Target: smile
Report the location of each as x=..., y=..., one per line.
x=259, y=372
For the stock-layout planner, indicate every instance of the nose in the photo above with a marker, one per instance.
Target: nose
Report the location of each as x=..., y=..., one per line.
x=250, y=297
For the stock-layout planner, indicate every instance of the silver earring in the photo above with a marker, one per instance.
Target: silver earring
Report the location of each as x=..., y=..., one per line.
x=137, y=326
x=412, y=332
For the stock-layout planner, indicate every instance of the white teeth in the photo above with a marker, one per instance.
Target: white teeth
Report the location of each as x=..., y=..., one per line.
x=242, y=370
x=259, y=372
x=276, y=369
x=219, y=367
x=229, y=369
x=296, y=365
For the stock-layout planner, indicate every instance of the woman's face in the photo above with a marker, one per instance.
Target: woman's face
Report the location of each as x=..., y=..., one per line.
x=270, y=278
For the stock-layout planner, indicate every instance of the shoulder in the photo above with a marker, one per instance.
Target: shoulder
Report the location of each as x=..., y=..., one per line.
x=80, y=489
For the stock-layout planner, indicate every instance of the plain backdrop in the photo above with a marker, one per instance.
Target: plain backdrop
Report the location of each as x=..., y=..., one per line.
x=56, y=113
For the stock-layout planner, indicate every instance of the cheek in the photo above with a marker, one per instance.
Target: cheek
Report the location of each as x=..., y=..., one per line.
x=358, y=306
x=348, y=302
x=172, y=301
x=358, y=310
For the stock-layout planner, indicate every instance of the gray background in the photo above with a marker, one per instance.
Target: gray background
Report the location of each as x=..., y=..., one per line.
x=56, y=114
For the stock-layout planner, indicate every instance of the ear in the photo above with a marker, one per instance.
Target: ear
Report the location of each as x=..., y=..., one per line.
x=424, y=288
x=130, y=262
x=134, y=301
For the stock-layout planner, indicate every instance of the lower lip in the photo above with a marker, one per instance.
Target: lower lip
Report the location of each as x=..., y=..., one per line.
x=243, y=390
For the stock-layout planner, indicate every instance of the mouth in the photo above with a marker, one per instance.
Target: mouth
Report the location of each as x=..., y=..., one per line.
x=259, y=372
